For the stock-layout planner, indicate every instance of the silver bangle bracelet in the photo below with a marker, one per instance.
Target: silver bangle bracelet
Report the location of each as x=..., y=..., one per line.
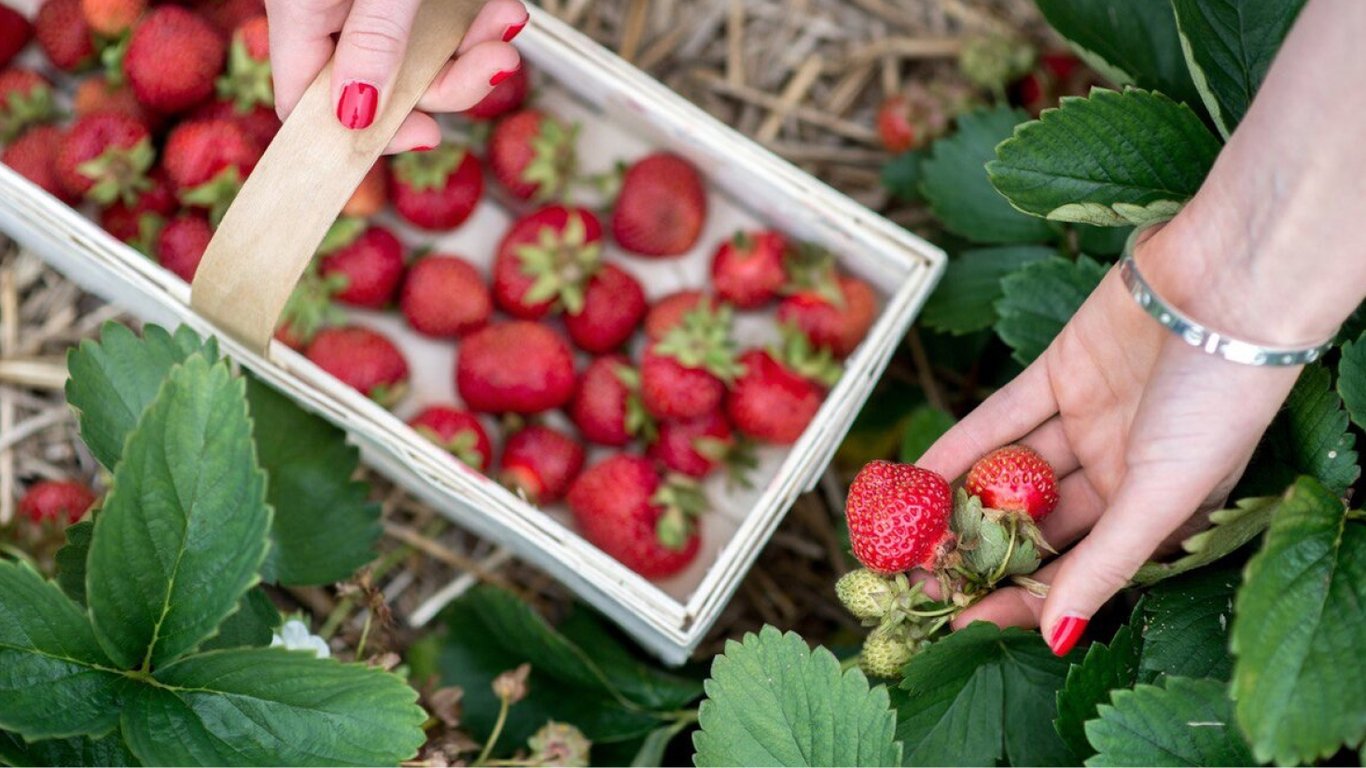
x=1202, y=338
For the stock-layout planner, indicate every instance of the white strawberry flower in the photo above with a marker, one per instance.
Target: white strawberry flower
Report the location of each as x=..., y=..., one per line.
x=294, y=636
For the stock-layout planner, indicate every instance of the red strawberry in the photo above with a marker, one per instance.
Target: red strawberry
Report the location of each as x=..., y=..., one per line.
x=540, y=463
x=504, y=98
x=111, y=18
x=34, y=156
x=547, y=258
x=207, y=161
x=259, y=123
x=894, y=125
x=532, y=154
x=622, y=506
x=106, y=157
x=246, y=83
x=437, y=189
x=514, y=367
x=457, y=431
x=228, y=15
x=684, y=375
x=920, y=114
x=747, y=269
x=181, y=244
x=770, y=401
x=661, y=207
x=607, y=407
x=364, y=360
x=139, y=222
x=60, y=501
x=444, y=296
x=694, y=447
x=1014, y=478
x=838, y=327
x=898, y=517
x=613, y=305
x=668, y=312
x=173, y=57
x=15, y=32
x=372, y=194
x=65, y=37
x=25, y=99
x=309, y=309
x=370, y=263
x=97, y=94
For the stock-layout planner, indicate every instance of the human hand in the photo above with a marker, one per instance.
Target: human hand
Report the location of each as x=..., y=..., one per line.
x=371, y=38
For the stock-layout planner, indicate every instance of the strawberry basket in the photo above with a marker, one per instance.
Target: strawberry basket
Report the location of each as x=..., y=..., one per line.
x=273, y=228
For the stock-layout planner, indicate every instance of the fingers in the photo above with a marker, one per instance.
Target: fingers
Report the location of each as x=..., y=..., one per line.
x=470, y=77
x=1079, y=507
x=368, y=56
x=498, y=20
x=1050, y=441
x=1010, y=606
x=300, y=45
x=418, y=131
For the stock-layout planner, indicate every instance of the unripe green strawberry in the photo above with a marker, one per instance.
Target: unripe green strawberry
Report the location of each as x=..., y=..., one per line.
x=867, y=595
x=885, y=653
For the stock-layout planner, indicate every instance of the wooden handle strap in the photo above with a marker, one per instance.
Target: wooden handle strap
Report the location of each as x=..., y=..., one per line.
x=306, y=175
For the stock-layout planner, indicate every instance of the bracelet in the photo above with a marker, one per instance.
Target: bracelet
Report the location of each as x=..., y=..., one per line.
x=1198, y=336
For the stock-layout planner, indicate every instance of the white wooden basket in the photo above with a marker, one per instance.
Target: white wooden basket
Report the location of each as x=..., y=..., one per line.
x=623, y=113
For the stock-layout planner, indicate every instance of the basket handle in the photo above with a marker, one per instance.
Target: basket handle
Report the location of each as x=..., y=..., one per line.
x=303, y=180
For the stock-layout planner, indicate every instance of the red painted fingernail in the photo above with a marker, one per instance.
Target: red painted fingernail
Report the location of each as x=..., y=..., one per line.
x=499, y=77
x=515, y=29
x=423, y=148
x=357, y=105
x=1066, y=634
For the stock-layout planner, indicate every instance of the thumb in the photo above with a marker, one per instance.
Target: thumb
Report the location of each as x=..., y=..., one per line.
x=369, y=52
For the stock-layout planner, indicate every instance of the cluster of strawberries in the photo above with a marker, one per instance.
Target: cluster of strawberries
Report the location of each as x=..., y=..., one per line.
x=166, y=132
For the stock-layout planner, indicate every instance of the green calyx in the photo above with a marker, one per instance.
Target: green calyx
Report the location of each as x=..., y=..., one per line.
x=811, y=269
x=310, y=307
x=342, y=234
x=112, y=53
x=554, y=162
x=738, y=456
x=247, y=81
x=21, y=110
x=993, y=544
x=430, y=169
x=149, y=228
x=639, y=422
x=463, y=445
x=119, y=173
x=560, y=264
x=683, y=501
x=702, y=340
x=216, y=194
x=807, y=360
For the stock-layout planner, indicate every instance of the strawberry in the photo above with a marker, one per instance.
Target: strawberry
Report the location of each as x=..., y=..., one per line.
x=106, y=157
x=613, y=305
x=227, y=15
x=540, y=463
x=668, y=312
x=514, y=367
x=65, y=37
x=246, y=83
x=770, y=401
x=1015, y=479
x=309, y=309
x=34, y=156
x=546, y=259
x=362, y=359
x=898, y=517
x=836, y=325
x=747, y=270
x=60, y=501
x=207, y=161
x=920, y=114
x=895, y=126
x=138, y=223
x=696, y=447
x=444, y=296
x=368, y=263
x=112, y=18
x=172, y=59
x=886, y=651
x=607, y=407
x=15, y=32
x=532, y=154
x=622, y=506
x=437, y=189
x=260, y=123
x=372, y=194
x=504, y=98
x=661, y=207
x=684, y=375
x=181, y=244
x=457, y=431
x=25, y=100
x=98, y=93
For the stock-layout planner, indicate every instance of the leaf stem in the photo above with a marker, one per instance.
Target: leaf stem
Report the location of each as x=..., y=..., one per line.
x=1000, y=571
x=497, y=731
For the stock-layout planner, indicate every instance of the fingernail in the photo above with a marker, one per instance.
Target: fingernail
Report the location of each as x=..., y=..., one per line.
x=1066, y=634
x=515, y=29
x=357, y=105
x=499, y=77
x=423, y=148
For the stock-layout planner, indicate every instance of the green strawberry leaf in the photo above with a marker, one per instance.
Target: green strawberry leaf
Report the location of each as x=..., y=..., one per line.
x=55, y=680
x=1229, y=530
x=964, y=300
x=1185, y=625
x=771, y=700
x=925, y=425
x=1352, y=379
x=1129, y=43
x=114, y=380
x=250, y=626
x=1185, y=722
x=71, y=560
x=1310, y=436
x=1298, y=629
x=902, y=174
x=954, y=182
x=324, y=527
x=75, y=751
x=1104, y=669
x=269, y=706
x=1038, y=300
x=949, y=701
x=183, y=531
x=1228, y=48
x=1111, y=159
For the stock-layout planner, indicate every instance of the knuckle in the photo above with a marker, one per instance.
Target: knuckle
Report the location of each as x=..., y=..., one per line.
x=373, y=33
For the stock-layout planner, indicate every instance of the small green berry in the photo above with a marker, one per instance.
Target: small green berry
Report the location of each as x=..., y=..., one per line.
x=885, y=653
x=867, y=595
